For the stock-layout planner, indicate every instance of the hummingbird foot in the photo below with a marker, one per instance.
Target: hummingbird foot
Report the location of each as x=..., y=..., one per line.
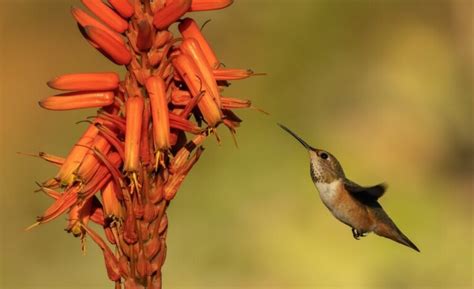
x=356, y=234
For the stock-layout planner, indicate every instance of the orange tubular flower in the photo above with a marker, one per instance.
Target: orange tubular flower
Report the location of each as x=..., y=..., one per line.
x=189, y=29
x=111, y=48
x=85, y=19
x=203, y=5
x=91, y=164
x=76, y=155
x=77, y=100
x=192, y=76
x=127, y=167
x=86, y=81
x=191, y=47
x=123, y=7
x=170, y=13
x=107, y=15
x=159, y=111
x=134, y=110
x=111, y=203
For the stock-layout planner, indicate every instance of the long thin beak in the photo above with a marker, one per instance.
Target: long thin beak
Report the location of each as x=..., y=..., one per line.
x=306, y=145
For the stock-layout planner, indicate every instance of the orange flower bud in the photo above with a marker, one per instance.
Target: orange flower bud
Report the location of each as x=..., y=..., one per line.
x=106, y=14
x=76, y=155
x=156, y=89
x=134, y=115
x=193, y=78
x=85, y=19
x=110, y=47
x=191, y=47
x=77, y=100
x=189, y=29
x=123, y=7
x=203, y=5
x=86, y=81
x=173, y=10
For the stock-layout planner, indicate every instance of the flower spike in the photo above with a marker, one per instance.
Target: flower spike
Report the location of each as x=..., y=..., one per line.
x=124, y=171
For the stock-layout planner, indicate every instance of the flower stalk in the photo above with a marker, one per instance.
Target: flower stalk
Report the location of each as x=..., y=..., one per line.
x=122, y=174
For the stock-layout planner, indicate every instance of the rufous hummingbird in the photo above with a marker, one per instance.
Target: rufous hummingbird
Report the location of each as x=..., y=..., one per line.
x=352, y=204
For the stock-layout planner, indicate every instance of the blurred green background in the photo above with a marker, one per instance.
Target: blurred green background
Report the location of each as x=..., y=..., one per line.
x=384, y=85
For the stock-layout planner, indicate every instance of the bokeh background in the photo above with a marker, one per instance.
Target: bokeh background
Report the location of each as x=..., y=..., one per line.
x=384, y=85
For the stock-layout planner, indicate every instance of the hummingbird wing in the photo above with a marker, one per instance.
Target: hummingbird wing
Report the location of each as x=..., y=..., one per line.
x=359, y=192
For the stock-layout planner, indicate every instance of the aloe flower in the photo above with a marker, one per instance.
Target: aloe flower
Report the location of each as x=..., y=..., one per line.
x=128, y=165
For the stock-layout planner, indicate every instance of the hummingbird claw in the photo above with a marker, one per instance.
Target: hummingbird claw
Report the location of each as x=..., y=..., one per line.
x=356, y=234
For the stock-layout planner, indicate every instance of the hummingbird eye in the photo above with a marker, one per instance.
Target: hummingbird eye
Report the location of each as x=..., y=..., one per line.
x=324, y=155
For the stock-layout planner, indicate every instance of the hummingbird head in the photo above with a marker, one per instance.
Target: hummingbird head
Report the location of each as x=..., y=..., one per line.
x=324, y=168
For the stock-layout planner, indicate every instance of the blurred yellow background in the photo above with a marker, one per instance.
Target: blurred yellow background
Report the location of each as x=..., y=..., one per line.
x=386, y=86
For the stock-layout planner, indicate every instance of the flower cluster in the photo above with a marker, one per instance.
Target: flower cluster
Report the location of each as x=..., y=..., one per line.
x=129, y=163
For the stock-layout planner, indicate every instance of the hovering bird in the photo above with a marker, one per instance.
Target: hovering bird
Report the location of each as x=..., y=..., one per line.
x=352, y=204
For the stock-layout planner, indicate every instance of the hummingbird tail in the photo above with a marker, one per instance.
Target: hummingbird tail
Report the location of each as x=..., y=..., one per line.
x=393, y=233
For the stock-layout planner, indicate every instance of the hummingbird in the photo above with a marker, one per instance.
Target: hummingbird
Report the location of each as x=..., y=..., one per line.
x=352, y=204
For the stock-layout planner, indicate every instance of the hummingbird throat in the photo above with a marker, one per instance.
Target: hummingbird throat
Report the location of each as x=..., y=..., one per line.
x=316, y=174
